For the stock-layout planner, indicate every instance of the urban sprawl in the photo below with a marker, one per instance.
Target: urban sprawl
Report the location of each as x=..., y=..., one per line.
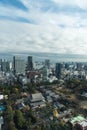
x=41, y=95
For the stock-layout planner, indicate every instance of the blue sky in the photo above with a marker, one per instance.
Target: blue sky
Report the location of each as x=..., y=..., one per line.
x=58, y=26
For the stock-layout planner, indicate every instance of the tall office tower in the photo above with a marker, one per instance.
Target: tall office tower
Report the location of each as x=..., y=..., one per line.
x=66, y=66
x=58, y=70
x=29, y=63
x=18, y=65
x=79, y=66
x=44, y=74
x=47, y=63
x=0, y=64
x=14, y=70
x=5, y=66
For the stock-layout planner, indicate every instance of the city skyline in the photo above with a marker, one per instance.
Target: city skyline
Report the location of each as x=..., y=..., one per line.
x=56, y=26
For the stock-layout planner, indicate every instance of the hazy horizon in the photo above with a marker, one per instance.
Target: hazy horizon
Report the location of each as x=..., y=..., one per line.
x=53, y=57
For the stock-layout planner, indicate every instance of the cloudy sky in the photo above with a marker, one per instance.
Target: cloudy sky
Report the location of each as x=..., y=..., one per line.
x=58, y=26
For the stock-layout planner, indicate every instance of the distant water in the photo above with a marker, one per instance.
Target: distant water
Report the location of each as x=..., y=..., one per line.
x=42, y=56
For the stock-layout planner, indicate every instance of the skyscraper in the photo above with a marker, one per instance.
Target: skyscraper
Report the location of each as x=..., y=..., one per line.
x=5, y=66
x=0, y=64
x=79, y=66
x=18, y=65
x=58, y=70
x=29, y=63
x=44, y=74
x=47, y=63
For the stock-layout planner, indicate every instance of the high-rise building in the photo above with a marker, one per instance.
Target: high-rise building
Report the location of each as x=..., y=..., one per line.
x=47, y=63
x=18, y=65
x=29, y=63
x=79, y=66
x=4, y=65
x=66, y=66
x=44, y=74
x=58, y=70
x=0, y=64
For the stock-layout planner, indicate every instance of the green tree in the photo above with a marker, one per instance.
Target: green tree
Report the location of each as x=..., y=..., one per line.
x=30, y=115
x=19, y=119
x=11, y=126
x=28, y=124
x=10, y=114
x=38, y=128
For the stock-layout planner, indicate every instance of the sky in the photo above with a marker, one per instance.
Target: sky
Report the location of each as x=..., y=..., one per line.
x=53, y=26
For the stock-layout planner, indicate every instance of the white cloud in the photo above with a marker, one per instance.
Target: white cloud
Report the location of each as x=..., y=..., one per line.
x=79, y=3
x=53, y=32
x=25, y=37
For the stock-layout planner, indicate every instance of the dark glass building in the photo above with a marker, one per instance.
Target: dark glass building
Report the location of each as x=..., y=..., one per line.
x=18, y=65
x=29, y=63
x=47, y=63
x=58, y=70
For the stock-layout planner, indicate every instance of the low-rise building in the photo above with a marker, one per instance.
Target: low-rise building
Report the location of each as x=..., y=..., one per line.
x=1, y=122
x=78, y=122
x=82, y=125
x=37, y=100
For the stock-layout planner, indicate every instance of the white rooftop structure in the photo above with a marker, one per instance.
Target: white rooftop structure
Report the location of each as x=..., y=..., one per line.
x=37, y=100
x=84, y=94
x=37, y=97
x=83, y=123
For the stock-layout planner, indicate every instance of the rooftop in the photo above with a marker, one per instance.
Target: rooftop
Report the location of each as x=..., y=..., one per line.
x=36, y=97
x=77, y=119
x=83, y=123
